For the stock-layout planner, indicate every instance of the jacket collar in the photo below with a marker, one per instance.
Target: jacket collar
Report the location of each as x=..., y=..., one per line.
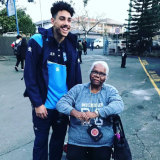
x=48, y=33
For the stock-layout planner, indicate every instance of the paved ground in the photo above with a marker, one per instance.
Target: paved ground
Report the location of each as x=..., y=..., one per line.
x=141, y=117
x=152, y=66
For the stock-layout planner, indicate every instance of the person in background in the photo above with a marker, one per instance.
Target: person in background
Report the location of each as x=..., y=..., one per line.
x=23, y=50
x=51, y=69
x=84, y=43
x=80, y=49
x=124, y=56
x=88, y=105
x=16, y=45
x=92, y=45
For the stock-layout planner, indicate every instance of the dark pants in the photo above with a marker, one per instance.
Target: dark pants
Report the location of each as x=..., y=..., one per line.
x=80, y=55
x=19, y=59
x=123, y=64
x=85, y=51
x=88, y=153
x=41, y=129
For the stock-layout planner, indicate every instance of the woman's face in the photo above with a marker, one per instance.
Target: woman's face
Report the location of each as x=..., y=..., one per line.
x=98, y=75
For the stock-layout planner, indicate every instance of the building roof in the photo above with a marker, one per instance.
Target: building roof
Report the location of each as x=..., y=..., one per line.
x=112, y=22
x=44, y=22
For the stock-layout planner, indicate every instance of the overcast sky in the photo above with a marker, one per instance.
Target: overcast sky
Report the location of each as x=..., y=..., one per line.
x=114, y=9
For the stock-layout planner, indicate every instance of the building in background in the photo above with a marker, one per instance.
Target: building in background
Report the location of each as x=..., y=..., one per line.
x=104, y=26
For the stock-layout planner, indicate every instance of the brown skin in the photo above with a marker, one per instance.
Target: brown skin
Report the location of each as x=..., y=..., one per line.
x=96, y=80
x=61, y=27
x=41, y=112
x=96, y=85
x=82, y=116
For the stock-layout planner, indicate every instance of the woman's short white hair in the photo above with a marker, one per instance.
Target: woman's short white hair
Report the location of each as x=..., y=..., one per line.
x=103, y=63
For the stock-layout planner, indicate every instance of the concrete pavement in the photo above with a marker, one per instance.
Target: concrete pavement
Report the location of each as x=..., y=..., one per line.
x=141, y=117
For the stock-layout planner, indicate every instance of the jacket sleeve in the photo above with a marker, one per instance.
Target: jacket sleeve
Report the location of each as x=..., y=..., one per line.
x=67, y=102
x=115, y=104
x=30, y=72
x=78, y=76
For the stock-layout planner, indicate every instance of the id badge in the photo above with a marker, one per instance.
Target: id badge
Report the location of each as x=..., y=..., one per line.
x=95, y=133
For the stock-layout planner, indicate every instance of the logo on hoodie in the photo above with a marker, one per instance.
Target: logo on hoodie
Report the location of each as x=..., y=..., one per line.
x=29, y=49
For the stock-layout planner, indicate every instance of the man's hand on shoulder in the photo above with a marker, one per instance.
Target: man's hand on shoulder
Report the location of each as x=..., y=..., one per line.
x=41, y=111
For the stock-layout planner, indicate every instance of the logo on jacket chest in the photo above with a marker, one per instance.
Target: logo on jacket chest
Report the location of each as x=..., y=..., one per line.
x=29, y=49
x=57, y=69
x=52, y=54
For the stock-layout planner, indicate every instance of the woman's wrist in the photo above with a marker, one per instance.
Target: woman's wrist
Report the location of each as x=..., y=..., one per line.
x=97, y=113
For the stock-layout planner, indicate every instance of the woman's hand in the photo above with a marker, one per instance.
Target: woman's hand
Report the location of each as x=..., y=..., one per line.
x=82, y=116
x=91, y=115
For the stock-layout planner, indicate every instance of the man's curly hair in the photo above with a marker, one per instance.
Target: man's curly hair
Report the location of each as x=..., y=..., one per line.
x=59, y=6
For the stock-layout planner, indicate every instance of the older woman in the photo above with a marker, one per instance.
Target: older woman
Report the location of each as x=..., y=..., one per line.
x=88, y=106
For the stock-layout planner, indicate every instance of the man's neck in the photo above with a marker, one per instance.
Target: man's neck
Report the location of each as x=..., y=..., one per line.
x=57, y=37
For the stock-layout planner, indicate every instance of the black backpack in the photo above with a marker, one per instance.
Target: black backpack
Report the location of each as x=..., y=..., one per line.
x=17, y=48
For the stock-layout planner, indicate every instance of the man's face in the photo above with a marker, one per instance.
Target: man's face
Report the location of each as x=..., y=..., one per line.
x=98, y=75
x=62, y=23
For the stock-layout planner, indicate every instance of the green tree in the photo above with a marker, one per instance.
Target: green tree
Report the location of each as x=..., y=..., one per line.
x=143, y=21
x=8, y=24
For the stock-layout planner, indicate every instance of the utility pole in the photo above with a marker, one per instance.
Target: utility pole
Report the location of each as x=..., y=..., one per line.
x=41, y=12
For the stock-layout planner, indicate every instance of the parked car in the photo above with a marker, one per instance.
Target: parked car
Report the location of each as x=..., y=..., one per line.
x=155, y=44
x=121, y=44
x=10, y=34
x=98, y=43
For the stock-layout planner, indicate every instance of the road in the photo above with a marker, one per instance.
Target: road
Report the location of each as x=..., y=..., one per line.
x=141, y=116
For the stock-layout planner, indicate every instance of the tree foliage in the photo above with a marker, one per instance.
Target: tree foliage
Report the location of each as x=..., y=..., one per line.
x=85, y=2
x=86, y=23
x=8, y=24
x=144, y=20
x=2, y=2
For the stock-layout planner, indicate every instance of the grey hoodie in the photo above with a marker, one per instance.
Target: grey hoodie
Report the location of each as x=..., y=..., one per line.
x=107, y=101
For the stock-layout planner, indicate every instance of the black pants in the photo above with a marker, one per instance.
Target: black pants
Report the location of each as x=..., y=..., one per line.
x=19, y=59
x=88, y=153
x=80, y=55
x=123, y=64
x=85, y=51
x=41, y=129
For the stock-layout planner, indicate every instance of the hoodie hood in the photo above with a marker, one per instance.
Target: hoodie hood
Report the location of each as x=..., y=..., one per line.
x=43, y=31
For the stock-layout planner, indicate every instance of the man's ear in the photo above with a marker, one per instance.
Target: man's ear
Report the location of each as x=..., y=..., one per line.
x=52, y=21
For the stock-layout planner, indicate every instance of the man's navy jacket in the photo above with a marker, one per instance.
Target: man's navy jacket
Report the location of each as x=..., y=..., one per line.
x=40, y=46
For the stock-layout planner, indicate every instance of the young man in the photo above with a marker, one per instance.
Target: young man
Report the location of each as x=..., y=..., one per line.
x=51, y=69
x=16, y=45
